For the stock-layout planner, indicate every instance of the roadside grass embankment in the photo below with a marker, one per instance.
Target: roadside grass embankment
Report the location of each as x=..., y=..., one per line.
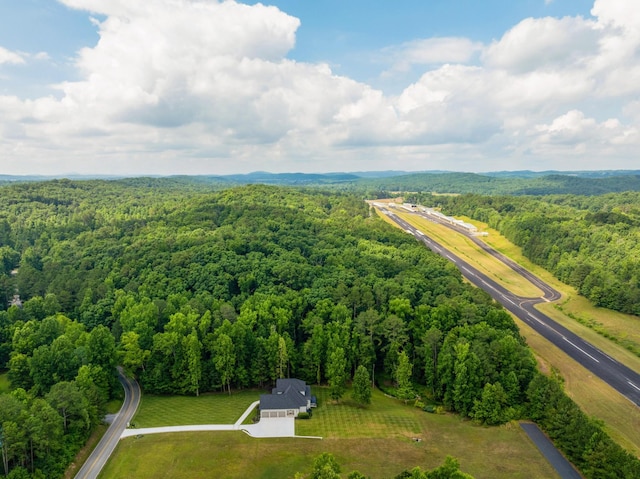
x=377, y=440
x=599, y=400
x=84, y=453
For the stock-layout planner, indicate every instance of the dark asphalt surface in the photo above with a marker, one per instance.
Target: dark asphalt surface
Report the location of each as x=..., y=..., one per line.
x=549, y=451
x=620, y=377
x=100, y=455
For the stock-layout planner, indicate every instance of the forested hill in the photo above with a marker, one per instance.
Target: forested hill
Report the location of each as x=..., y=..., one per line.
x=504, y=185
x=374, y=183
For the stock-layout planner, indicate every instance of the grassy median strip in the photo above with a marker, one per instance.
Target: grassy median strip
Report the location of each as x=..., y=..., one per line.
x=377, y=440
x=470, y=252
x=615, y=333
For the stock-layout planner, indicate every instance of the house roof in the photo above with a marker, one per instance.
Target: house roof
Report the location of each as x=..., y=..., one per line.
x=286, y=395
x=283, y=383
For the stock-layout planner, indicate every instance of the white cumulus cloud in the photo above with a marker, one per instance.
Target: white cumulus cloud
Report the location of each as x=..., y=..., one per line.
x=188, y=86
x=7, y=56
x=431, y=51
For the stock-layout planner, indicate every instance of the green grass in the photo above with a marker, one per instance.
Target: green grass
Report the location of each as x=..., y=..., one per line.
x=595, y=397
x=218, y=408
x=376, y=440
x=5, y=386
x=114, y=406
x=383, y=418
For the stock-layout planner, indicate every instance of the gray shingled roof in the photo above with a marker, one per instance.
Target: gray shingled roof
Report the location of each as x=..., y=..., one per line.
x=283, y=383
x=286, y=395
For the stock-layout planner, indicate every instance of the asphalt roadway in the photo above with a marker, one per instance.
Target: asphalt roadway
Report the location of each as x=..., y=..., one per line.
x=98, y=458
x=564, y=468
x=617, y=375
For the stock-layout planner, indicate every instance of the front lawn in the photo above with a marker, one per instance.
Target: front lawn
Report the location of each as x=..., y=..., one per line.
x=215, y=408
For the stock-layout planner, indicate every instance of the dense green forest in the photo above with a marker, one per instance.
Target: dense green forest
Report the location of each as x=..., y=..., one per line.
x=193, y=290
x=589, y=242
x=514, y=184
x=378, y=184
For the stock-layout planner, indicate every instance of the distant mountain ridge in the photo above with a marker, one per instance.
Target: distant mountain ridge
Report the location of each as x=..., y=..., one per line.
x=496, y=183
x=519, y=183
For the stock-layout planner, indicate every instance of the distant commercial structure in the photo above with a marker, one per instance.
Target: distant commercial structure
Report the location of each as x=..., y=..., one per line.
x=449, y=219
x=436, y=214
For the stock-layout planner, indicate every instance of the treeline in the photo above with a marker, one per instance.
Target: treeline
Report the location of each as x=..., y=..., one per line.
x=62, y=377
x=325, y=466
x=209, y=291
x=591, y=243
x=581, y=439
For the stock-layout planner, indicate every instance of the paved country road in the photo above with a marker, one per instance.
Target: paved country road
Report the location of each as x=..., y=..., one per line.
x=617, y=375
x=98, y=458
x=564, y=468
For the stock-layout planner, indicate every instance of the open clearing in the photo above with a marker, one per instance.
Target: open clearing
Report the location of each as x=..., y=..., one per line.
x=377, y=441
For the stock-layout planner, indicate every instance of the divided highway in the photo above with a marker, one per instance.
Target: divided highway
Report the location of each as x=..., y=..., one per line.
x=617, y=375
x=98, y=458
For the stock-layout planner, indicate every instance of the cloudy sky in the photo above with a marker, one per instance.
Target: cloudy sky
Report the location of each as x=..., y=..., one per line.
x=216, y=87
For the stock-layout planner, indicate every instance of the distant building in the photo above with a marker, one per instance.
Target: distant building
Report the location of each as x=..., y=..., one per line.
x=16, y=301
x=289, y=398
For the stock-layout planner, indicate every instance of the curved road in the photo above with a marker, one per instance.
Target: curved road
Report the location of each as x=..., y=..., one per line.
x=98, y=458
x=617, y=375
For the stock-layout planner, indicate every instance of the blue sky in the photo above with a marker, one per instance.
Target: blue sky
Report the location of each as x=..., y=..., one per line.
x=199, y=86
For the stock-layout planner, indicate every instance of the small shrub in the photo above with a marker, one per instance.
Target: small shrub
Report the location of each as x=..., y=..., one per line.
x=304, y=415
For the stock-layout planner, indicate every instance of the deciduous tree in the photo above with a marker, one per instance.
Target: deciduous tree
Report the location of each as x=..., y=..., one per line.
x=361, y=386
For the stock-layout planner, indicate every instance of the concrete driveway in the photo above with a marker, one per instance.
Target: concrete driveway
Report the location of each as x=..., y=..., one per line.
x=271, y=427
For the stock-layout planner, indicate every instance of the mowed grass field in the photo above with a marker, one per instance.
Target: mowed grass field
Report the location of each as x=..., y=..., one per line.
x=156, y=411
x=377, y=440
x=594, y=396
